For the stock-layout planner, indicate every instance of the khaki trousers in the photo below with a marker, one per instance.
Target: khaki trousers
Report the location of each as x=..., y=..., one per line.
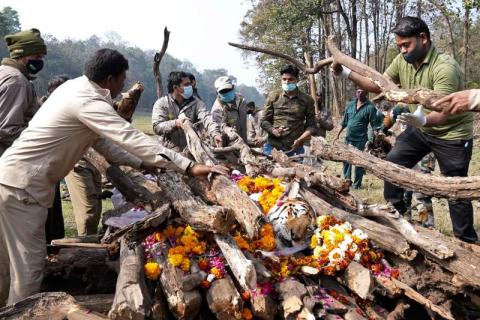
x=84, y=183
x=22, y=244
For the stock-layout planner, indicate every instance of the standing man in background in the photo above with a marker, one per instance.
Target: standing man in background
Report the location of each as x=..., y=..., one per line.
x=18, y=100
x=289, y=116
x=359, y=113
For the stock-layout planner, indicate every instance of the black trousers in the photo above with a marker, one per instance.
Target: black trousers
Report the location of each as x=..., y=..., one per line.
x=453, y=158
x=54, y=226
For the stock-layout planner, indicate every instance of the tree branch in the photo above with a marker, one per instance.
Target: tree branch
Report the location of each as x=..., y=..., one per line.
x=156, y=62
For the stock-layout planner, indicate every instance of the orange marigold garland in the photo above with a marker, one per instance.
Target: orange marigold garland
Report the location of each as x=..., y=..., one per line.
x=269, y=190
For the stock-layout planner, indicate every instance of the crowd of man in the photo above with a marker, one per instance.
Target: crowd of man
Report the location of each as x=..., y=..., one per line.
x=39, y=146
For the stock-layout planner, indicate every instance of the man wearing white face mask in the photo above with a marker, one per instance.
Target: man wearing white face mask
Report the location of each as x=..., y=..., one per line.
x=230, y=108
x=170, y=111
x=289, y=116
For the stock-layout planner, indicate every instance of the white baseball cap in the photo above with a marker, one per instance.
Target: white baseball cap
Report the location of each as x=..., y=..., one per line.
x=223, y=83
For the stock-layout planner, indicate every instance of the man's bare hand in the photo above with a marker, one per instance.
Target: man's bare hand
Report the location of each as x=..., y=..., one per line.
x=336, y=68
x=202, y=170
x=454, y=103
x=218, y=140
x=296, y=144
x=258, y=142
x=179, y=122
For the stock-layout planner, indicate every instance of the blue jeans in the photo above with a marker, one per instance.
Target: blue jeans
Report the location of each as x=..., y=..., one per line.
x=267, y=149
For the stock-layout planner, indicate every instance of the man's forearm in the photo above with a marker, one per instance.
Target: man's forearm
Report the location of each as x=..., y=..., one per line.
x=364, y=82
x=305, y=135
x=436, y=118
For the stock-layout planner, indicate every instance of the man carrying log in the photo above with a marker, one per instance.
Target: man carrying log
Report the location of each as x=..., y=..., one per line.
x=419, y=64
x=289, y=116
x=170, y=111
x=75, y=116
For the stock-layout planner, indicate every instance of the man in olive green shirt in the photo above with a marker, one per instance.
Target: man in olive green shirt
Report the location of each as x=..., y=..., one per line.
x=289, y=116
x=420, y=65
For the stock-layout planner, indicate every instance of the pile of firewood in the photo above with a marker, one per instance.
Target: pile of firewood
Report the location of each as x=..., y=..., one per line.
x=103, y=276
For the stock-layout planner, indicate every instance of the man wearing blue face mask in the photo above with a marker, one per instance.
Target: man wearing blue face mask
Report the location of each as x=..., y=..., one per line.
x=230, y=108
x=170, y=111
x=289, y=115
x=18, y=101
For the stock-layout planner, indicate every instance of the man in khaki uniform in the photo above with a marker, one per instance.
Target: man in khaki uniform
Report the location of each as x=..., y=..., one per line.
x=170, y=111
x=460, y=102
x=230, y=108
x=75, y=117
x=18, y=101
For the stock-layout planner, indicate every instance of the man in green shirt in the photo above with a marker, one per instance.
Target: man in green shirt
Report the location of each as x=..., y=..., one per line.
x=289, y=116
x=420, y=65
x=359, y=113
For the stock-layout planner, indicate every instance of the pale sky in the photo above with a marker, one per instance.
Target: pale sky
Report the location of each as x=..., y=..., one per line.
x=200, y=29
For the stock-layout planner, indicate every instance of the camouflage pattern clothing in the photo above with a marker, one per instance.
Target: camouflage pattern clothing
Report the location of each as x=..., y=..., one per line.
x=296, y=114
x=231, y=114
x=166, y=111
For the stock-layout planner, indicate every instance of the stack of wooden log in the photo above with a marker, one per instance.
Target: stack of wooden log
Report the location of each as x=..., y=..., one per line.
x=438, y=275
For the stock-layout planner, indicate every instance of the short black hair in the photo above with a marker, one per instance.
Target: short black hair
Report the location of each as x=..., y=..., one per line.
x=56, y=81
x=291, y=69
x=411, y=27
x=103, y=63
x=251, y=104
x=191, y=76
x=174, y=79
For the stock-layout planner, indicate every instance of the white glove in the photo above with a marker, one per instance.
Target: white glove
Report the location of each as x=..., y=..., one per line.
x=416, y=119
x=344, y=74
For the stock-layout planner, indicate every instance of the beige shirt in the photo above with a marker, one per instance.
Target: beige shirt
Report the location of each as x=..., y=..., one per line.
x=71, y=120
x=18, y=103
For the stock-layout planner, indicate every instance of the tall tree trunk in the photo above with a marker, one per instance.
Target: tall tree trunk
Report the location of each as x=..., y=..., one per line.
x=466, y=27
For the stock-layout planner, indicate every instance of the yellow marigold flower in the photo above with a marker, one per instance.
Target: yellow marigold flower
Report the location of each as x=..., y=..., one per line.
x=159, y=237
x=199, y=248
x=177, y=250
x=313, y=242
x=175, y=259
x=169, y=231
x=241, y=242
x=216, y=272
x=152, y=270
x=185, y=264
x=189, y=231
x=247, y=314
x=268, y=243
x=179, y=231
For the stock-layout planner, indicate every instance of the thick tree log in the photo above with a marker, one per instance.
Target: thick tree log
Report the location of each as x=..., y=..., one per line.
x=358, y=279
x=395, y=285
x=441, y=187
x=48, y=305
x=466, y=261
x=385, y=237
x=132, y=300
x=242, y=268
x=183, y=304
x=96, y=302
x=224, y=300
x=127, y=105
x=140, y=228
x=227, y=194
x=156, y=63
x=192, y=209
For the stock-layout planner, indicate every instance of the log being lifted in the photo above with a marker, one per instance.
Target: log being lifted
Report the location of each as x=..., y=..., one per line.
x=441, y=187
x=127, y=105
x=227, y=194
x=385, y=237
x=132, y=300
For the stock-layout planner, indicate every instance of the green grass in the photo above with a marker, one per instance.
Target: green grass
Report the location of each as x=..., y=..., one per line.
x=143, y=121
